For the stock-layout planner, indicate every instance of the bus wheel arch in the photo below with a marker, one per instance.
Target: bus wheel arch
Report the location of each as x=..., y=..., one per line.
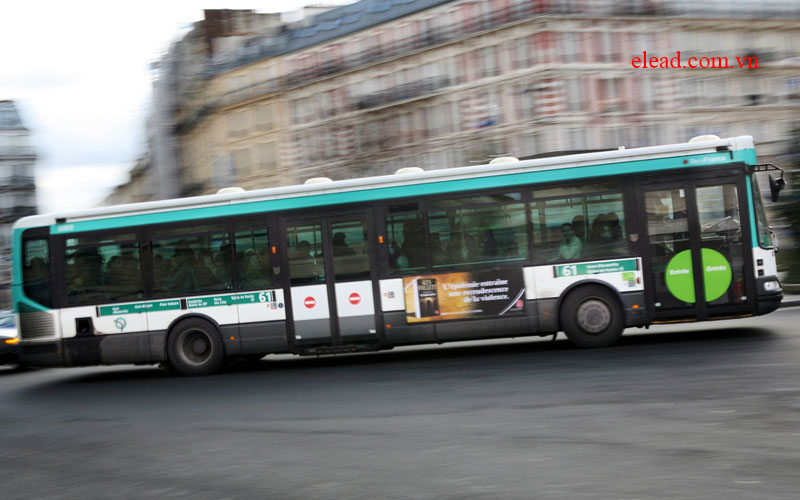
x=194, y=346
x=591, y=315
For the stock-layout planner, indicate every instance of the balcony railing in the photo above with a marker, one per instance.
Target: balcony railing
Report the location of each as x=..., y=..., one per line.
x=378, y=53
x=403, y=92
x=17, y=151
x=13, y=213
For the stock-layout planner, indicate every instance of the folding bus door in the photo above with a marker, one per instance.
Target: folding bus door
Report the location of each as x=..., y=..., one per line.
x=332, y=290
x=697, y=248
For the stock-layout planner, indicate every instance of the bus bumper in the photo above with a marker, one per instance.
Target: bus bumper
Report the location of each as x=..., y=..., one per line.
x=41, y=354
x=770, y=294
x=8, y=353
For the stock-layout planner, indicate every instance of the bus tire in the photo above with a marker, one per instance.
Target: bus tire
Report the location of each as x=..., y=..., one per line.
x=592, y=316
x=194, y=347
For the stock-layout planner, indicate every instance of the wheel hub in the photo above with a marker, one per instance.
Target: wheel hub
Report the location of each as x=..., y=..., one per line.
x=593, y=316
x=199, y=346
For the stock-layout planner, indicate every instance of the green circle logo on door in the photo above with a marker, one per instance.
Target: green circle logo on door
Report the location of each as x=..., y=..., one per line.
x=717, y=275
x=680, y=278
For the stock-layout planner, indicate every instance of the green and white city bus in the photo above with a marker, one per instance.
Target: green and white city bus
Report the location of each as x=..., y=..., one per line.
x=588, y=244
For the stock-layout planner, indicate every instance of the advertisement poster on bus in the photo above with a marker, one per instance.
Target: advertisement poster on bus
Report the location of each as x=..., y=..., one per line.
x=440, y=297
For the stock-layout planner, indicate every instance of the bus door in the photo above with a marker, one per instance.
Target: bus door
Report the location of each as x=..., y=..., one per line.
x=330, y=269
x=697, y=262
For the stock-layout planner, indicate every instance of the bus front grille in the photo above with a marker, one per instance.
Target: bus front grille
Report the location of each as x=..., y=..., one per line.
x=36, y=325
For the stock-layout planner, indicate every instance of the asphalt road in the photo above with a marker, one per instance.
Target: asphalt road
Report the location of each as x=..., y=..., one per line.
x=707, y=411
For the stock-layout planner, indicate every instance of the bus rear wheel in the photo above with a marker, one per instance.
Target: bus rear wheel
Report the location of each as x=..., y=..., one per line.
x=592, y=316
x=195, y=348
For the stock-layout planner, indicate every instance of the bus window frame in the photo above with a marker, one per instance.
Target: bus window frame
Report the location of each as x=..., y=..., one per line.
x=135, y=230
x=424, y=208
x=59, y=245
x=227, y=222
x=624, y=188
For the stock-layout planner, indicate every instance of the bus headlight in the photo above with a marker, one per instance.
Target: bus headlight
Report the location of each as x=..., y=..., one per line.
x=772, y=285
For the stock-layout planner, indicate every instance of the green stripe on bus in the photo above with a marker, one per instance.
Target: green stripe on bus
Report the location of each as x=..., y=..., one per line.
x=584, y=268
x=139, y=307
x=191, y=303
x=230, y=300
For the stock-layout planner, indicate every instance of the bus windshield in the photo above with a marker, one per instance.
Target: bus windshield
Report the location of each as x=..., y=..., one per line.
x=766, y=238
x=36, y=270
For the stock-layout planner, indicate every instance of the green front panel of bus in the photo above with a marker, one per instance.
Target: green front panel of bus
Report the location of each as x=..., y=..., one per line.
x=412, y=190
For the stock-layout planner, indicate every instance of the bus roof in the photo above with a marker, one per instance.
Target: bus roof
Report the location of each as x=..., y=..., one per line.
x=66, y=219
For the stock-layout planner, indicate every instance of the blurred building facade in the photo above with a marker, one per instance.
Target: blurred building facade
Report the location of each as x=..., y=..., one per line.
x=17, y=186
x=258, y=100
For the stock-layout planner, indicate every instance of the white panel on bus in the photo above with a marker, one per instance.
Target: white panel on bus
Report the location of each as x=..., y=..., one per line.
x=768, y=262
x=223, y=314
x=624, y=274
x=529, y=275
x=160, y=320
x=270, y=307
x=310, y=302
x=354, y=299
x=392, y=296
x=118, y=318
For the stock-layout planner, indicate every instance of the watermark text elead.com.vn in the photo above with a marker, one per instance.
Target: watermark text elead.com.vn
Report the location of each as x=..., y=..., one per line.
x=645, y=61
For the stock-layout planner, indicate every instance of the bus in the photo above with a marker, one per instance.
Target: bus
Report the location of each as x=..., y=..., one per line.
x=588, y=244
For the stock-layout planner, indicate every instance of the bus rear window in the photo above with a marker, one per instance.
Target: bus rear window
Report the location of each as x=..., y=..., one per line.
x=36, y=271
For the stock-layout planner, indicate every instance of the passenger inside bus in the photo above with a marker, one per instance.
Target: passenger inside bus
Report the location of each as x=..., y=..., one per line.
x=571, y=246
x=181, y=268
x=606, y=237
x=579, y=227
x=303, y=265
x=340, y=247
x=84, y=276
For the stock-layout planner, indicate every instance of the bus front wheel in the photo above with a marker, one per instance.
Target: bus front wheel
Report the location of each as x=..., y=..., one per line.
x=592, y=316
x=195, y=348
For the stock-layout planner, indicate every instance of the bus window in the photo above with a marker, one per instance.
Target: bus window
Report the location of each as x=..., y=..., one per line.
x=36, y=271
x=350, y=250
x=667, y=224
x=478, y=235
x=192, y=259
x=718, y=210
x=304, y=245
x=577, y=225
x=102, y=268
x=253, y=254
x=406, y=243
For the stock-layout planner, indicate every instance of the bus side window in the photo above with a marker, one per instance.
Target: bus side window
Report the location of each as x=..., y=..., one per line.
x=102, y=268
x=254, y=268
x=485, y=234
x=406, y=239
x=191, y=259
x=575, y=223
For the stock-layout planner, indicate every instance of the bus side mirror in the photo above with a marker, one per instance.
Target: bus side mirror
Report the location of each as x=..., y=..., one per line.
x=775, y=187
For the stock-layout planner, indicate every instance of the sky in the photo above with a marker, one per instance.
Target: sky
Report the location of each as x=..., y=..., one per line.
x=80, y=74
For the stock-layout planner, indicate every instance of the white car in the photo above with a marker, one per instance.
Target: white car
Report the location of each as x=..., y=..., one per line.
x=8, y=340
